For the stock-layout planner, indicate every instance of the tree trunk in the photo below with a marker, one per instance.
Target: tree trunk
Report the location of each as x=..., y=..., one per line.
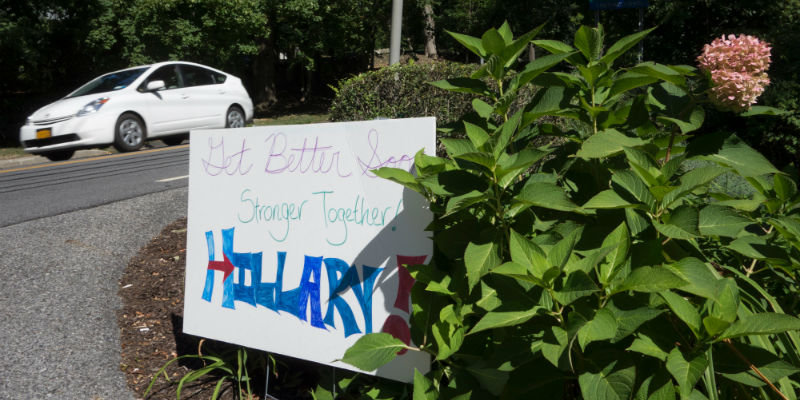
x=430, y=31
x=264, y=75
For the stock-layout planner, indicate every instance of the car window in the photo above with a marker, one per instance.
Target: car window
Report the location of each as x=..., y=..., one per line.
x=167, y=73
x=219, y=78
x=197, y=76
x=109, y=82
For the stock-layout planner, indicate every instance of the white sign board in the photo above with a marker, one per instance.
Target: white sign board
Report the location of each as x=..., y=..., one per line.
x=294, y=245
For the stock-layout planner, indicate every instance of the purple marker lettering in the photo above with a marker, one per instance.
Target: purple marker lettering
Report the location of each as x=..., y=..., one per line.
x=375, y=160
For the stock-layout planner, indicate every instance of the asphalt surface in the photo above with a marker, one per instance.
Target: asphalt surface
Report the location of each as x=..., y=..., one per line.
x=32, y=191
x=58, y=296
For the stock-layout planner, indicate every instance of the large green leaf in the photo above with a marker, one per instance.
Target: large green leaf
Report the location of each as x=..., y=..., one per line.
x=589, y=41
x=578, y=284
x=731, y=366
x=637, y=222
x=499, y=319
x=682, y=224
x=515, y=47
x=554, y=46
x=629, y=81
x=607, y=199
x=528, y=254
x=683, y=309
x=764, y=110
x=560, y=253
x=691, y=122
x=758, y=247
x=606, y=143
x=726, y=302
x=660, y=71
x=630, y=320
x=651, y=279
x=702, y=280
x=645, y=345
x=400, y=176
x=613, y=381
x=423, y=387
x=761, y=324
x=621, y=46
x=633, y=184
x=602, y=327
x=643, y=165
x=489, y=300
x=538, y=66
x=743, y=158
x=463, y=85
x=546, y=195
x=470, y=42
x=620, y=238
x=691, y=181
x=506, y=132
x=490, y=377
x=657, y=387
x=456, y=147
x=449, y=338
x=476, y=134
x=479, y=259
x=459, y=203
x=721, y=221
x=785, y=187
x=686, y=371
x=493, y=42
x=480, y=158
x=510, y=167
x=373, y=350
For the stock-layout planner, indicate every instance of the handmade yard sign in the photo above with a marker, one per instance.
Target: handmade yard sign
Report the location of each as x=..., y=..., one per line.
x=295, y=247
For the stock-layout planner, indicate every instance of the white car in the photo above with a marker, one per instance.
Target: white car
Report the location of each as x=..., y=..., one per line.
x=127, y=107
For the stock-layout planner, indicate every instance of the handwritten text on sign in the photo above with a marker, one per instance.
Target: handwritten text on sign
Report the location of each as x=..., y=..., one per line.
x=296, y=247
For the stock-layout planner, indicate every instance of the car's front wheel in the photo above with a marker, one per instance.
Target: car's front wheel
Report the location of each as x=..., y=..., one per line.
x=234, y=118
x=129, y=133
x=59, y=155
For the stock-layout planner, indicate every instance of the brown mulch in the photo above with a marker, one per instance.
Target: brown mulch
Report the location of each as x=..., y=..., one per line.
x=151, y=331
x=152, y=295
x=150, y=320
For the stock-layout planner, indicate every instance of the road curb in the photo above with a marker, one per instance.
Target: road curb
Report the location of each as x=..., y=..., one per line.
x=34, y=160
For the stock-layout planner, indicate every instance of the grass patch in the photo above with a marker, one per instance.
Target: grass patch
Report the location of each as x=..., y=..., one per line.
x=293, y=119
x=7, y=153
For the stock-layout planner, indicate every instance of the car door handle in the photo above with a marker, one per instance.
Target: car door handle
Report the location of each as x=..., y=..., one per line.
x=184, y=96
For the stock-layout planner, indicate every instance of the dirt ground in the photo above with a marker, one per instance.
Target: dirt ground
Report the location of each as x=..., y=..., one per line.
x=151, y=333
x=152, y=295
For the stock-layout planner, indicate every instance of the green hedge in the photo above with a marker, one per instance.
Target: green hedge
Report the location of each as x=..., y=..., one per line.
x=402, y=91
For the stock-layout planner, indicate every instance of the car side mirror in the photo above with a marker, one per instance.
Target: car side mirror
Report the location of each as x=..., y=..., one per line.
x=152, y=86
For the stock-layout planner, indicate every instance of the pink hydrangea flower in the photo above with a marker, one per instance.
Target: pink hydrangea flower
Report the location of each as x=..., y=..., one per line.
x=738, y=68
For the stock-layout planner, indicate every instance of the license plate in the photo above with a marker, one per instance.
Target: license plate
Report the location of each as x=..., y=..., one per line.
x=43, y=133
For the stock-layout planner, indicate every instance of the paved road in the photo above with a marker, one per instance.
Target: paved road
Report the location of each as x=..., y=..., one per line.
x=59, y=274
x=42, y=190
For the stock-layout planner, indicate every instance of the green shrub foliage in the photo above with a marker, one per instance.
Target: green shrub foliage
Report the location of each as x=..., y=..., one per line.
x=604, y=267
x=402, y=91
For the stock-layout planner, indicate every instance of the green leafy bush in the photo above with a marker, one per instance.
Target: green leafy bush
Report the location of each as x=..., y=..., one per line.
x=401, y=91
x=602, y=268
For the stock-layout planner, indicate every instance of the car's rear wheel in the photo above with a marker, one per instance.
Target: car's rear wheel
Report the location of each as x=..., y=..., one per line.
x=129, y=133
x=174, y=140
x=234, y=118
x=59, y=155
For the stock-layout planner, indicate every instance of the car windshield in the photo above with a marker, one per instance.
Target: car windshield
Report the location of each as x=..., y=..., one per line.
x=109, y=82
